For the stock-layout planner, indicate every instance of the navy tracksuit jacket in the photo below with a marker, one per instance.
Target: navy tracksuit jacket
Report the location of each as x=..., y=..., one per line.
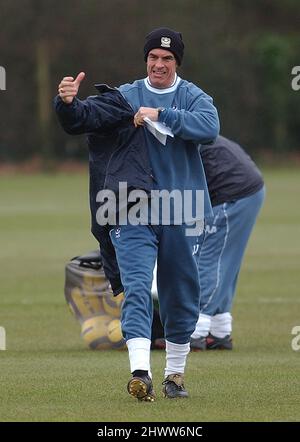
x=117, y=152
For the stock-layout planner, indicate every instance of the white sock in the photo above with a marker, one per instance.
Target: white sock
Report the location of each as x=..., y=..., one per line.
x=139, y=354
x=221, y=325
x=202, y=326
x=176, y=355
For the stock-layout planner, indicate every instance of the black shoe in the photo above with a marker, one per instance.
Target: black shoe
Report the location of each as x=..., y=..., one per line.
x=141, y=387
x=214, y=343
x=198, y=344
x=174, y=387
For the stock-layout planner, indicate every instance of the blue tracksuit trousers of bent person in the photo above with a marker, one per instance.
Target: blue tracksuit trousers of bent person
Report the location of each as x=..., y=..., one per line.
x=137, y=248
x=222, y=250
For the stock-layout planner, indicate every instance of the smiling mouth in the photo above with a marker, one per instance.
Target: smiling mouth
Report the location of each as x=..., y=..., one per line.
x=159, y=73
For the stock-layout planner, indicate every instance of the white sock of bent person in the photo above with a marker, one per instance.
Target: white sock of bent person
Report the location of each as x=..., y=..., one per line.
x=203, y=326
x=221, y=325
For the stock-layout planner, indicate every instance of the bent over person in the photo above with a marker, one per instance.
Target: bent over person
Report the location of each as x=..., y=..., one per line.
x=237, y=192
x=134, y=153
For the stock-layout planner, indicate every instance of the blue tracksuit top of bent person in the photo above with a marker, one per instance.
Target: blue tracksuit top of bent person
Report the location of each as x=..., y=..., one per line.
x=190, y=114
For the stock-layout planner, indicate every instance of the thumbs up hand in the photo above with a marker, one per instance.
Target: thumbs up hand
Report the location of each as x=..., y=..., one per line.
x=68, y=87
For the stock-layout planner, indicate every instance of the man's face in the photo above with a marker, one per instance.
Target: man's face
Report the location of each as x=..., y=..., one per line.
x=161, y=68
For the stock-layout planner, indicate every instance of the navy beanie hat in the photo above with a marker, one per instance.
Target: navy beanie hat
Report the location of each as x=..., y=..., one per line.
x=165, y=38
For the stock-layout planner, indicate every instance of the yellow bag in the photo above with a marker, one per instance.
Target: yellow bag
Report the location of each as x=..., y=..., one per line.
x=91, y=300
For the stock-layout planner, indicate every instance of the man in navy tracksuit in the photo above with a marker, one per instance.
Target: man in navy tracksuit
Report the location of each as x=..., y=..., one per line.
x=176, y=165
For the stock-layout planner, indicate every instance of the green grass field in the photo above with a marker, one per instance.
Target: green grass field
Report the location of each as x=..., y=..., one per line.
x=46, y=372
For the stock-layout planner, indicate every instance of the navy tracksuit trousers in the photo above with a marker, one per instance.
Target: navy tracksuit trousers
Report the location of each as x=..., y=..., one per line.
x=222, y=250
x=137, y=248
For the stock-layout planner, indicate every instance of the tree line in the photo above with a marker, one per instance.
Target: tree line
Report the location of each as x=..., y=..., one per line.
x=241, y=53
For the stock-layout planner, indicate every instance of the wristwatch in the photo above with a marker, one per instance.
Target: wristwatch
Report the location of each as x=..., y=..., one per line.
x=160, y=110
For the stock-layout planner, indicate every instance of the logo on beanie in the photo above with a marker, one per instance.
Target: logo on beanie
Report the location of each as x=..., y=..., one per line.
x=165, y=42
